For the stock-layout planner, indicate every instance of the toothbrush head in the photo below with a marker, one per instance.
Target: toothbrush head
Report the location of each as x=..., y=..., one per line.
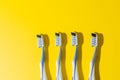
x=74, y=38
x=58, y=39
x=94, y=40
x=40, y=41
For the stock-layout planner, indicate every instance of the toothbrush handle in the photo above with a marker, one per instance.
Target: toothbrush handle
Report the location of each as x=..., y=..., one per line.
x=41, y=71
x=57, y=70
x=58, y=67
x=73, y=73
x=91, y=74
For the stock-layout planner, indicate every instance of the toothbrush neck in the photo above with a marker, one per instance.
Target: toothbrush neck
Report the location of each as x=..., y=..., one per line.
x=43, y=52
x=60, y=54
x=60, y=49
x=95, y=53
x=76, y=52
x=42, y=49
x=76, y=49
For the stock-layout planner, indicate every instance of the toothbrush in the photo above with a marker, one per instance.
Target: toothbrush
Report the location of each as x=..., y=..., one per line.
x=42, y=63
x=94, y=44
x=74, y=63
x=58, y=63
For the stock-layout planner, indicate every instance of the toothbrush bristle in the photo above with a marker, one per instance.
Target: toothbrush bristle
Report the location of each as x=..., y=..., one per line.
x=74, y=39
x=39, y=36
x=72, y=33
x=58, y=39
x=40, y=41
x=94, y=39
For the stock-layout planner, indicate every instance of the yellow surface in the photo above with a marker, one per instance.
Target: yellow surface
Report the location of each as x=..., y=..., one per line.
x=21, y=20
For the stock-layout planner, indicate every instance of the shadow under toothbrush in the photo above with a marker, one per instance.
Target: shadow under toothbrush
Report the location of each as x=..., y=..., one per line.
x=98, y=55
x=46, y=42
x=79, y=63
x=63, y=57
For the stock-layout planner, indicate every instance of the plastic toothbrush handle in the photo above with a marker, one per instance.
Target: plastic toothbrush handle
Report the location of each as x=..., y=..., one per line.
x=58, y=66
x=74, y=64
x=43, y=73
x=73, y=73
x=92, y=75
x=42, y=67
x=91, y=71
x=58, y=72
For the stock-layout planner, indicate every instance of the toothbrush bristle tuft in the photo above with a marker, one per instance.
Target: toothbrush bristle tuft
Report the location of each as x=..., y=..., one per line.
x=73, y=34
x=39, y=36
x=94, y=39
x=93, y=34
x=58, y=39
x=40, y=41
x=74, y=39
x=57, y=34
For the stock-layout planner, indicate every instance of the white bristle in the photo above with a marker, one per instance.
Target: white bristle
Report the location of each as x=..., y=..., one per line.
x=74, y=39
x=58, y=39
x=94, y=40
x=40, y=41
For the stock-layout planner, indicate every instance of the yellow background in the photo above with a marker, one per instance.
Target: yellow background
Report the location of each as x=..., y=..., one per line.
x=21, y=20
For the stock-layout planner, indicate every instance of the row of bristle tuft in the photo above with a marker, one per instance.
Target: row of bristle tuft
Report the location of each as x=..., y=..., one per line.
x=74, y=39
